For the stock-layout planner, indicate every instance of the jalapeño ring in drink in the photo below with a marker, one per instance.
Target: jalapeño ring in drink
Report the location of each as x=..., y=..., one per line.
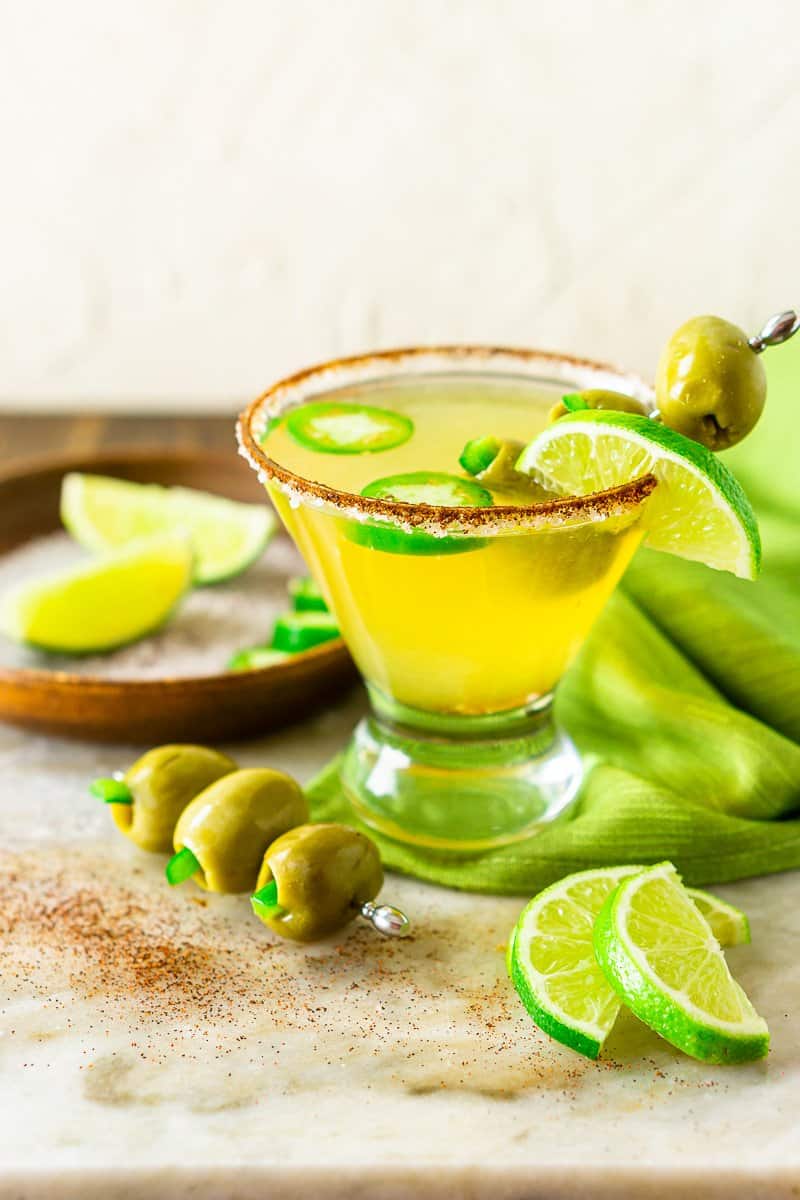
x=462, y=604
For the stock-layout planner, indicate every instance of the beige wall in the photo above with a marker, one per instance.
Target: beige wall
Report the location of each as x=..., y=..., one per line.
x=196, y=197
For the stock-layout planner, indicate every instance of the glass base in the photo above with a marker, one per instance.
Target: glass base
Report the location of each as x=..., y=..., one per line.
x=460, y=783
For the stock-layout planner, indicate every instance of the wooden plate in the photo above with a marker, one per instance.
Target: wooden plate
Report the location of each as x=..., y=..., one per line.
x=150, y=711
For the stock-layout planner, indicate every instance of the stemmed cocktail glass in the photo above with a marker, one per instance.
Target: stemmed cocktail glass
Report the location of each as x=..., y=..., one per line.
x=462, y=618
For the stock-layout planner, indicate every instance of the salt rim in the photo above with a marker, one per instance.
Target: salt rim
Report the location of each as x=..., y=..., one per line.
x=386, y=365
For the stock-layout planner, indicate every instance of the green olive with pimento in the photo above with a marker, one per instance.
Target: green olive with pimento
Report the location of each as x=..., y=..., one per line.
x=147, y=800
x=221, y=837
x=315, y=879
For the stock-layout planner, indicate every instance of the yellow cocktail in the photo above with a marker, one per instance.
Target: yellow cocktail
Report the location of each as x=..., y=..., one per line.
x=462, y=600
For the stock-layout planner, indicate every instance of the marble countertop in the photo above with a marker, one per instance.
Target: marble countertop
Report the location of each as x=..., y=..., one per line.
x=161, y=1043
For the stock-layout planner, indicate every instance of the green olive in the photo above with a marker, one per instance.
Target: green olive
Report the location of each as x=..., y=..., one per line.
x=162, y=783
x=324, y=873
x=230, y=825
x=602, y=398
x=710, y=385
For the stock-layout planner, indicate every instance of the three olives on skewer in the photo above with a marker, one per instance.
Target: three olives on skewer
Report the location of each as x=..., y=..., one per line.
x=238, y=830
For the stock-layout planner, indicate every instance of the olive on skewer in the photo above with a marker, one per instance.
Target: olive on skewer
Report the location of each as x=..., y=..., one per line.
x=221, y=836
x=147, y=800
x=316, y=879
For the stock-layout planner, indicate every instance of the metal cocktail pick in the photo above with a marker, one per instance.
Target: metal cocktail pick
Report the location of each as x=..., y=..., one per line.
x=387, y=919
x=778, y=328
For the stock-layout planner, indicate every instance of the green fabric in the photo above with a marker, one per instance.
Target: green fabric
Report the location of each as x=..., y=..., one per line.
x=685, y=702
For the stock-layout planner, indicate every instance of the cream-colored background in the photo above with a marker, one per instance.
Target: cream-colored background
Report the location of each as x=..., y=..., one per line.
x=196, y=197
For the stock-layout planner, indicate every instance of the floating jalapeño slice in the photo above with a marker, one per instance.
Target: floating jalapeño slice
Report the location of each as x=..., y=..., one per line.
x=334, y=428
x=420, y=487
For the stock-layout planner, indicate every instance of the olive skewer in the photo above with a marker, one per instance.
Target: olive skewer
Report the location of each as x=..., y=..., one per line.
x=245, y=830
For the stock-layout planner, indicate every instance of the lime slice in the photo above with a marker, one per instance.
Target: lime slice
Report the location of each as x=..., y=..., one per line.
x=659, y=954
x=552, y=962
x=332, y=428
x=105, y=514
x=420, y=487
x=104, y=604
x=729, y=925
x=698, y=511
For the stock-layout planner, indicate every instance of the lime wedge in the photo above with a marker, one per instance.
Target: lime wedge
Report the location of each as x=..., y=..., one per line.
x=106, y=514
x=729, y=925
x=660, y=955
x=552, y=963
x=698, y=511
x=104, y=604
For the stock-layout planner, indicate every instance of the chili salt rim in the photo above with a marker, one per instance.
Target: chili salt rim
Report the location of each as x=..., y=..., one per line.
x=386, y=365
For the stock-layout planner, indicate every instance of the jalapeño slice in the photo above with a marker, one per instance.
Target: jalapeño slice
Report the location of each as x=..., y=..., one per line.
x=298, y=631
x=420, y=487
x=479, y=454
x=335, y=428
x=305, y=595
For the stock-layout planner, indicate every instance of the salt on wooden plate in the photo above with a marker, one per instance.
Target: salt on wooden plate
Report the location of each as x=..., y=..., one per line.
x=210, y=625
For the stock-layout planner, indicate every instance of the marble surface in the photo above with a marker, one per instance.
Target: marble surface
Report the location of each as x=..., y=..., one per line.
x=162, y=1043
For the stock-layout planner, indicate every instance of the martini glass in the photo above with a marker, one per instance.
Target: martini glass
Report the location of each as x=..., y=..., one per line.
x=461, y=620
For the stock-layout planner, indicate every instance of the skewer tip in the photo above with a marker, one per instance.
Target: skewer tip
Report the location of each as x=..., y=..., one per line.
x=387, y=919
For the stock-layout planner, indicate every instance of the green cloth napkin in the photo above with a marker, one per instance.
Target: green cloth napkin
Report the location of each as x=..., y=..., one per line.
x=685, y=702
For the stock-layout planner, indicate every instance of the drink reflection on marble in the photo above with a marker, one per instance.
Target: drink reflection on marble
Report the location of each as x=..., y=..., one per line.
x=462, y=605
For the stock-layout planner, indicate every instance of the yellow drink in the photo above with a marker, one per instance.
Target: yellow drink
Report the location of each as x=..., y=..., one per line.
x=487, y=630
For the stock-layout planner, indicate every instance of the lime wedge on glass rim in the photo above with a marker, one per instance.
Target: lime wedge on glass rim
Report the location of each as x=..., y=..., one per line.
x=104, y=514
x=698, y=511
x=103, y=604
x=660, y=955
x=552, y=963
